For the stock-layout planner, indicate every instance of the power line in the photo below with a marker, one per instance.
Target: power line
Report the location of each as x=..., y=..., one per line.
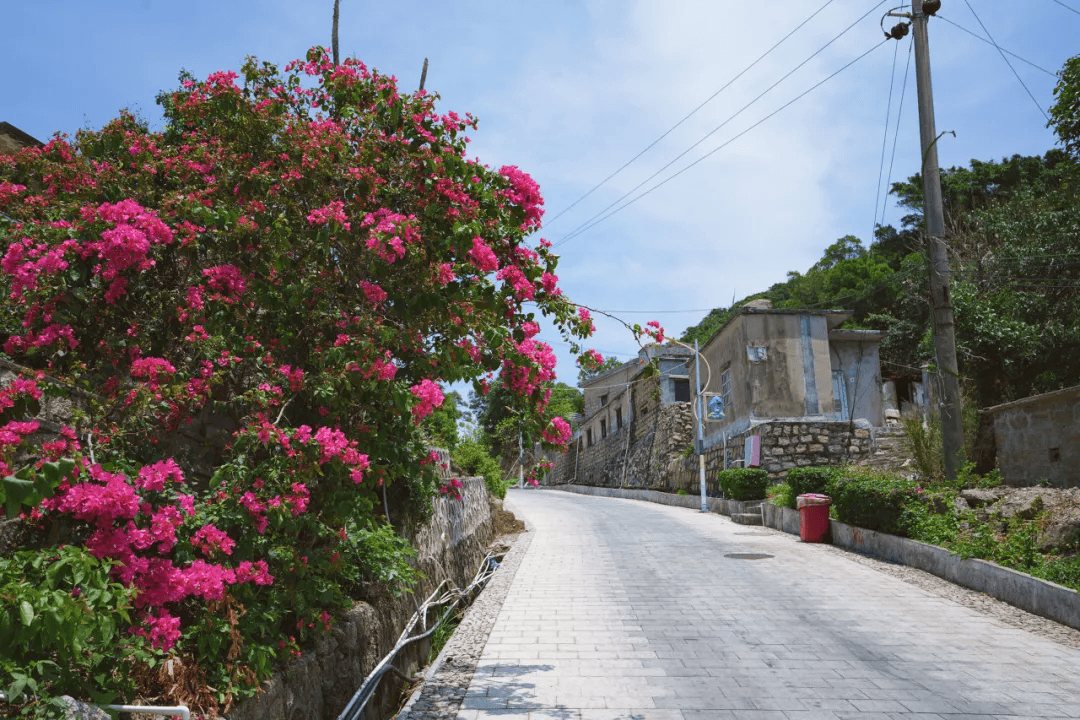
x=689, y=115
x=990, y=42
x=649, y=312
x=885, y=137
x=1002, y=53
x=660, y=184
x=896, y=131
x=581, y=228
x=1067, y=7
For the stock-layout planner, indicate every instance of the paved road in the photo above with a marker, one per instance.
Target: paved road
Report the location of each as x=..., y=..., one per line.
x=627, y=610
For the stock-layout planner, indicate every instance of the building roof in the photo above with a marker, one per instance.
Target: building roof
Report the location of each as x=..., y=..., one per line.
x=835, y=318
x=12, y=139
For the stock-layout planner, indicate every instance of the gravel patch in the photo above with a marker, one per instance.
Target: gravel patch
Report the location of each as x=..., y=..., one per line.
x=447, y=679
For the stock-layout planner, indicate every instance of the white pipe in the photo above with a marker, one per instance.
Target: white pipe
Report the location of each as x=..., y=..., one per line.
x=180, y=710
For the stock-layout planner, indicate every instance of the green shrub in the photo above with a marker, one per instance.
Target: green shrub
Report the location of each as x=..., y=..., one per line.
x=473, y=457
x=808, y=480
x=923, y=442
x=922, y=524
x=64, y=624
x=874, y=501
x=1063, y=571
x=782, y=495
x=744, y=483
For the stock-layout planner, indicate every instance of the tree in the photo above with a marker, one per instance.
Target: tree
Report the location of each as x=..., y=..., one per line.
x=250, y=313
x=1065, y=112
x=588, y=372
x=566, y=401
x=440, y=428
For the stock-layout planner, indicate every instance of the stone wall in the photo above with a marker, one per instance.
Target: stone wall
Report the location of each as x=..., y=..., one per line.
x=318, y=685
x=1038, y=438
x=787, y=445
x=656, y=435
x=660, y=435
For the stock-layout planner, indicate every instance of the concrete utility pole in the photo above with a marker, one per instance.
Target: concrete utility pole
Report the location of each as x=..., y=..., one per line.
x=333, y=39
x=952, y=427
x=700, y=427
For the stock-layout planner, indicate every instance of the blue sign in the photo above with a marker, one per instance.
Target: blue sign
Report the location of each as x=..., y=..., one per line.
x=715, y=407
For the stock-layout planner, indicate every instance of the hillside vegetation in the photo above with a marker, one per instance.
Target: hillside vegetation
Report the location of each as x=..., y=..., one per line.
x=1013, y=234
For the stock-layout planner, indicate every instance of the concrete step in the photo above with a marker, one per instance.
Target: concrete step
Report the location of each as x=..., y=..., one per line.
x=747, y=518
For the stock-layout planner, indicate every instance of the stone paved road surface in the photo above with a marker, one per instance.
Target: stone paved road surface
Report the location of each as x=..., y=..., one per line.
x=624, y=610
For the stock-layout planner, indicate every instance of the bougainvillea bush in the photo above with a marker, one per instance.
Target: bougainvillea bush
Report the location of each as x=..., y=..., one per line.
x=246, y=314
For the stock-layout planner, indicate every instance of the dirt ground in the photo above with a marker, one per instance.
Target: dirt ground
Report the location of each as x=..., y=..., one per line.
x=505, y=522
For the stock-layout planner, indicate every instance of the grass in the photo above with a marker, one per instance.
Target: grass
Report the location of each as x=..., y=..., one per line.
x=448, y=623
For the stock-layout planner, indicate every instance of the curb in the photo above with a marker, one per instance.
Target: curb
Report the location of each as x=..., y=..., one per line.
x=447, y=679
x=1035, y=595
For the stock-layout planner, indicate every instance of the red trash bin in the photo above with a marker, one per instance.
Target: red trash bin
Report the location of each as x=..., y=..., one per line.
x=813, y=517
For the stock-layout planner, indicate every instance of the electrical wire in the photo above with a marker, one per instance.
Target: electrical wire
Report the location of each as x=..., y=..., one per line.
x=596, y=220
x=580, y=228
x=896, y=130
x=990, y=42
x=650, y=312
x=1002, y=53
x=1067, y=7
x=688, y=115
x=885, y=135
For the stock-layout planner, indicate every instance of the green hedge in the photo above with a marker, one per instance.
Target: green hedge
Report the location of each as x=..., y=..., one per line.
x=817, y=479
x=874, y=501
x=744, y=483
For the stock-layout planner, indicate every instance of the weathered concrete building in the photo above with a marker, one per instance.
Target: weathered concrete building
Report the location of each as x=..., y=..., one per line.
x=608, y=401
x=791, y=366
x=1038, y=439
x=808, y=392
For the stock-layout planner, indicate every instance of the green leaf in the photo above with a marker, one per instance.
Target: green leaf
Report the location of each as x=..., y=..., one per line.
x=26, y=612
x=16, y=491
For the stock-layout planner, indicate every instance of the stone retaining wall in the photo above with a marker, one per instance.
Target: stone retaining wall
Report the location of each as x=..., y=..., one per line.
x=318, y=685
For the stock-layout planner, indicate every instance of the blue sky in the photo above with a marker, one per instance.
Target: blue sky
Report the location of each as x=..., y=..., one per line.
x=570, y=91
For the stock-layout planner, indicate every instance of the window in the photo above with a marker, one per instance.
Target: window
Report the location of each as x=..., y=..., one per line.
x=618, y=419
x=603, y=429
x=588, y=437
x=725, y=389
x=603, y=400
x=682, y=390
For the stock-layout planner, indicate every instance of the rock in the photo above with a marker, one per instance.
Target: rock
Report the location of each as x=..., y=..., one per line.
x=77, y=710
x=1024, y=503
x=960, y=505
x=980, y=497
x=1061, y=534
